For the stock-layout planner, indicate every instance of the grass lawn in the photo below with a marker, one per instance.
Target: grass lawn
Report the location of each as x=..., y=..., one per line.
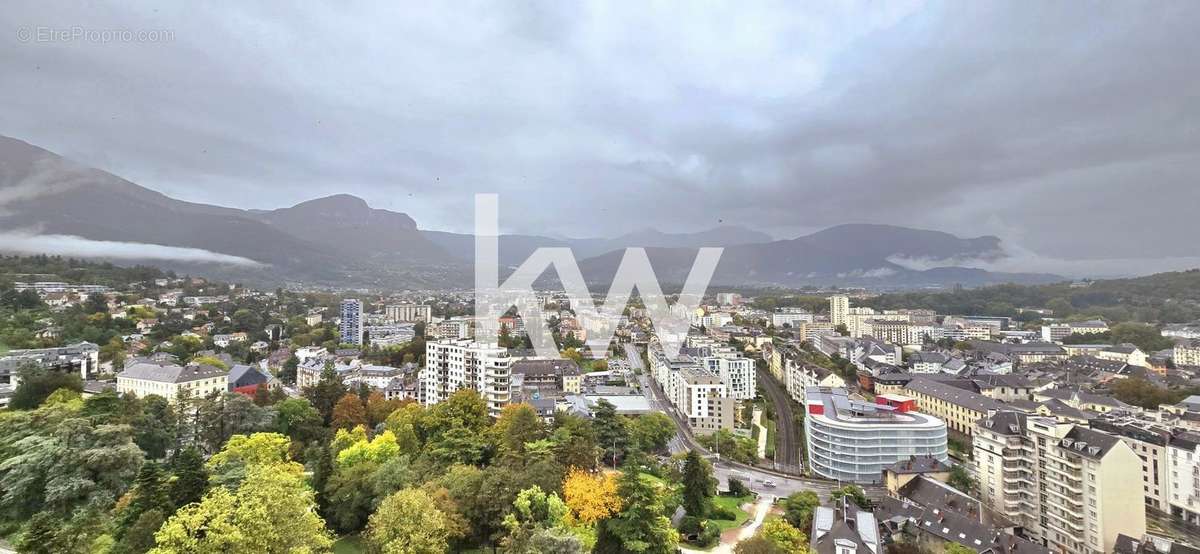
x=771, y=431
x=349, y=544
x=732, y=503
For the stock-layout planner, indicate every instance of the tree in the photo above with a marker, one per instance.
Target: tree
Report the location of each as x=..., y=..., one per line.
x=798, y=508
x=518, y=424
x=737, y=487
x=1146, y=337
x=533, y=511
x=407, y=522
x=960, y=479
x=698, y=485
x=37, y=383
x=759, y=544
x=591, y=496
x=641, y=526
x=349, y=412
x=574, y=441
x=855, y=494
x=784, y=535
x=610, y=431
x=326, y=393
x=155, y=428
x=39, y=534
x=299, y=420
x=651, y=432
x=150, y=492
x=272, y=511
x=191, y=480
x=955, y=548
x=229, y=466
x=379, y=408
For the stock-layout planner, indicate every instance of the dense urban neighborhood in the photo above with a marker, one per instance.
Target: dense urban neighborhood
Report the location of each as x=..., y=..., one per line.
x=143, y=407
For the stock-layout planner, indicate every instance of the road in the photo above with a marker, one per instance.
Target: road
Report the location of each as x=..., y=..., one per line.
x=787, y=449
x=754, y=477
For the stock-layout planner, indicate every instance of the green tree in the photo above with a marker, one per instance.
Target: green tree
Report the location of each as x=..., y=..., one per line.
x=961, y=480
x=854, y=493
x=408, y=521
x=191, y=479
x=651, y=432
x=150, y=492
x=272, y=511
x=38, y=383
x=798, y=508
x=533, y=510
x=611, y=433
x=326, y=393
x=642, y=525
x=517, y=425
x=698, y=485
x=784, y=535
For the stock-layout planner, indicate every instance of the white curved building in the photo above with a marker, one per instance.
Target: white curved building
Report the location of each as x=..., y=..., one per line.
x=852, y=440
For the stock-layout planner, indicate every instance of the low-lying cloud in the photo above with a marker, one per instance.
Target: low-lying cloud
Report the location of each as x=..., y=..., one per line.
x=70, y=245
x=1023, y=260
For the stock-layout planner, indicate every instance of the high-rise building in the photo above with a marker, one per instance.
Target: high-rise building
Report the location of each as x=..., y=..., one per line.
x=852, y=440
x=839, y=309
x=351, y=325
x=455, y=364
x=1073, y=489
x=408, y=313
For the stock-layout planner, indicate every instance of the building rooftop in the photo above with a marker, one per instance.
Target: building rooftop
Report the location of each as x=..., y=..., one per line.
x=171, y=373
x=954, y=395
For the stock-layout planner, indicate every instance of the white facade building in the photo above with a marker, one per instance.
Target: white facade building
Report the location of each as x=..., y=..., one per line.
x=455, y=364
x=852, y=440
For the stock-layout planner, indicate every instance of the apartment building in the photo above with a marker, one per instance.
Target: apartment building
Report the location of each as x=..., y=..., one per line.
x=801, y=376
x=408, y=313
x=351, y=324
x=1148, y=439
x=1067, y=485
x=839, y=309
x=1183, y=465
x=454, y=328
x=854, y=441
x=1055, y=332
x=791, y=317
x=455, y=364
x=959, y=407
x=697, y=393
x=171, y=381
x=727, y=362
x=1187, y=354
x=82, y=358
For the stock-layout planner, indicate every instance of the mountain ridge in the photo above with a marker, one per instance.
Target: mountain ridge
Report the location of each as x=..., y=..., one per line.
x=342, y=240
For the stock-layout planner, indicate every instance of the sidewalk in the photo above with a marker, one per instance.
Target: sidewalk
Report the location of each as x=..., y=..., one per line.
x=762, y=434
x=730, y=538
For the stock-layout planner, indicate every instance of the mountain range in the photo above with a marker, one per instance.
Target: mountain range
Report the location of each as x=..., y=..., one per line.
x=342, y=241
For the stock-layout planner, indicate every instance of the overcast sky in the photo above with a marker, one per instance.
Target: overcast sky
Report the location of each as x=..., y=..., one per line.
x=1068, y=129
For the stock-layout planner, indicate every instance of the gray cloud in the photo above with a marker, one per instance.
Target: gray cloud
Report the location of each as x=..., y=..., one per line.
x=1067, y=129
x=69, y=245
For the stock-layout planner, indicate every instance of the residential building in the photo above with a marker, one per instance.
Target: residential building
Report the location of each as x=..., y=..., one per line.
x=791, y=317
x=82, y=358
x=560, y=376
x=351, y=324
x=1186, y=354
x=1055, y=332
x=729, y=298
x=1067, y=485
x=839, y=309
x=455, y=364
x=171, y=381
x=960, y=408
x=851, y=440
x=736, y=373
x=1125, y=353
x=927, y=362
x=1183, y=465
x=454, y=328
x=408, y=313
x=698, y=394
x=1148, y=440
x=844, y=529
x=801, y=376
